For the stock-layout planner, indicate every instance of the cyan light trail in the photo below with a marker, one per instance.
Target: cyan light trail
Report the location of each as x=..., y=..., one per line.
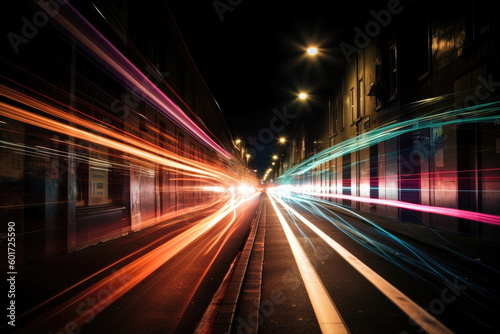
x=415, y=312
x=404, y=255
x=413, y=256
x=487, y=112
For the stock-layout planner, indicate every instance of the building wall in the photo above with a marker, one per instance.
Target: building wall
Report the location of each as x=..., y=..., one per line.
x=431, y=58
x=74, y=193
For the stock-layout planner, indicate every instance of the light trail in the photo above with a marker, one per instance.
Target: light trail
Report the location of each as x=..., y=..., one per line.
x=389, y=246
x=487, y=112
x=174, y=217
x=171, y=163
x=399, y=254
x=420, y=316
x=476, y=216
x=193, y=179
x=77, y=311
x=138, y=148
x=329, y=319
x=103, y=51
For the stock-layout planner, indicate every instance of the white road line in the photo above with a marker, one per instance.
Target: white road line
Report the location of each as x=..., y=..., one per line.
x=329, y=318
x=426, y=321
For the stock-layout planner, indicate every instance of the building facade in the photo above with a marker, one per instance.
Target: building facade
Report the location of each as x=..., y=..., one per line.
x=414, y=117
x=109, y=101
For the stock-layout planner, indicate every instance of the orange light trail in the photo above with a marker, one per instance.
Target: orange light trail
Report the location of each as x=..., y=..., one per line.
x=78, y=310
x=149, y=152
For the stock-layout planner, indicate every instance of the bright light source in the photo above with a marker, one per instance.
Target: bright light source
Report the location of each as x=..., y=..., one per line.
x=215, y=189
x=302, y=96
x=282, y=140
x=312, y=50
x=245, y=189
x=238, y=141
x=275, y=157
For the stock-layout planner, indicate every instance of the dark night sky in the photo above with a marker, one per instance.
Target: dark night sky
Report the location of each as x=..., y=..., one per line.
x=248, y=58
x=253, y=60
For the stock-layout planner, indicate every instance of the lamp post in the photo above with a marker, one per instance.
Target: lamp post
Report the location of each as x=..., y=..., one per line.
x=238, y=145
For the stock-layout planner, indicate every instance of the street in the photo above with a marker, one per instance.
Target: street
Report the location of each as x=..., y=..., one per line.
x=377, y=281
x=312, y=266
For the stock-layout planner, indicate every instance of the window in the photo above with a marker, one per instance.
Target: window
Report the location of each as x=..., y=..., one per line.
x=354, y=116
x=362, y=94
x=339, y=113
x=393, y=71
x=180, y=144
x=93, y=178
x=346, y=175
x=480, y=19
x=162, y=131
x=425, y=42
x=192, y=151
x=378, y=82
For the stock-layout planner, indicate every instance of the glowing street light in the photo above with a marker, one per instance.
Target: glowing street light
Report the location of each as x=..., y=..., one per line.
x=275, y=157
x=312, y=51
x=282, y=140
x=303, y=96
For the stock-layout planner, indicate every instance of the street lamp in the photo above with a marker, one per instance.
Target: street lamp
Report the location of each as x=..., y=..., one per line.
x=303, y=96
x=282, y=140
x=312, y=50
x=237, y=144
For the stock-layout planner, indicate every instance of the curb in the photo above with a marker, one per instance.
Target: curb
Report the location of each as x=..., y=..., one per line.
x=225, y=317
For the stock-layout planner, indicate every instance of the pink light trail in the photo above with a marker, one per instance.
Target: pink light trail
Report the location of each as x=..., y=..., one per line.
x=133, y=77
x=476, y=216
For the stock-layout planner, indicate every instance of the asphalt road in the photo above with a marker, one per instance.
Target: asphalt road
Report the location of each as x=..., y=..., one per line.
x=437, y=289
x=175, y=296
x=313, y=268
x=159, y=280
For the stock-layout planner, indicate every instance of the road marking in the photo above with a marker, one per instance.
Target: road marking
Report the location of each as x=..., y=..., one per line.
x=329, y=319
x=426, y=321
